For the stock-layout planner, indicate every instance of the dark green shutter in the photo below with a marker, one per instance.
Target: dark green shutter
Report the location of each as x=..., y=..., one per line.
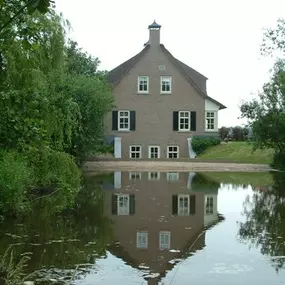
x=193, y=121
x=114, y=120
x=192, y=204
x=132, y=204
x=174, y=204
x=175, y=121
x=114, y=204
x=132, y=120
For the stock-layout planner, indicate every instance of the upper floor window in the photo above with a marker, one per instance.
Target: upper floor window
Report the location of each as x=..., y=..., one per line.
x=211, y=121
x=183, y=205
x=209, y=205
x=143, y=84
x=124, y=120
x=184, y=121
x=164, y=240
x=123, y=204
x=165, y=84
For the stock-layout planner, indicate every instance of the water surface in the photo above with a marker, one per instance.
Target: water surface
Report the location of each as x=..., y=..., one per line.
x=157, y=228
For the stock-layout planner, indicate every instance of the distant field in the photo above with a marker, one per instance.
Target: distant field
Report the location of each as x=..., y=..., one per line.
x=237, y=152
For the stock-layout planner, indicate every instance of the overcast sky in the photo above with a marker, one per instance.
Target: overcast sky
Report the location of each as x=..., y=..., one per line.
x=220, y=39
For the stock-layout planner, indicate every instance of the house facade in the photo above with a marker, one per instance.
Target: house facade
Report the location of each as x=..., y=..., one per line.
x=161, y=104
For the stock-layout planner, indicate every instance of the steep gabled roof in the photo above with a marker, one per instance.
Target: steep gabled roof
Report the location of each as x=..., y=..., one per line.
x=196, y=79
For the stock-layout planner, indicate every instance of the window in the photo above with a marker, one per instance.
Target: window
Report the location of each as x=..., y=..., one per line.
x=172, y=176
x=210, y=121
x=183, y=205
x=135, y=175
x=153, y=175
x=142, y=239
x=164, y=240
x=124, y=120
x=153, y=152
x=173, y=152
x=184, y=121
x=135, y=151
x=165, y=84
x=143, y=84
x=123, y=204
x=209, y=205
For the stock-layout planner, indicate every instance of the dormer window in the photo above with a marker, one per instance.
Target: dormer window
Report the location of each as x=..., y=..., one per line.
x=165, y=84
x=143, y=84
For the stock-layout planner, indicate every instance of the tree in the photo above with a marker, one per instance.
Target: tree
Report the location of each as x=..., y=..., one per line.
x=266, y=114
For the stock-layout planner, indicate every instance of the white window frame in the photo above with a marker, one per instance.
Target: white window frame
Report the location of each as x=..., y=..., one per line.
x=135, y=151
x=183, y=210
x=172, y=152
x=135, y=175
x=162, y=236
x=172, y=176
x=210, y=210
x=214, y=118
x=123, y=210
x=124, y=116
x=142, y=240
x=184, y=118
x=165, y=79
x=150, y=151
x=147, y=84
x=157, y=177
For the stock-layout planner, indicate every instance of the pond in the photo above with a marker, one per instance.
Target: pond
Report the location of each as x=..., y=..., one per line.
x=156, y=228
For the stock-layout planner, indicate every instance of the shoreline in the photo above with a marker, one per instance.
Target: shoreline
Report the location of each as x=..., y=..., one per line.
x=145, y=165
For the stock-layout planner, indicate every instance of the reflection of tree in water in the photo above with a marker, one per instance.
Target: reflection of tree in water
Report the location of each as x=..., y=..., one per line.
x=264, y=226
x=60, y=239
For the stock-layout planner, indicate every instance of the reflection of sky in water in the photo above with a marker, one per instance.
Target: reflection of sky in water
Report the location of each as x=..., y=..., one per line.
x=224, y=260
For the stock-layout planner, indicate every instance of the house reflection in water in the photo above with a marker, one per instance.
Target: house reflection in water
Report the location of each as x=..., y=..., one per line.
x=159, y=217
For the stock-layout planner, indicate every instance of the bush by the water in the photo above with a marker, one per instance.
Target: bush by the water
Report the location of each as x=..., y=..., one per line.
x=200, y=144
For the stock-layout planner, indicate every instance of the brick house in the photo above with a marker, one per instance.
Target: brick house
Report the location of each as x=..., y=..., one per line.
x=161, y=104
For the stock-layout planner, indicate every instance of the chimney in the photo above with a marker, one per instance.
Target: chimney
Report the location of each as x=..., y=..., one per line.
x=154, y=34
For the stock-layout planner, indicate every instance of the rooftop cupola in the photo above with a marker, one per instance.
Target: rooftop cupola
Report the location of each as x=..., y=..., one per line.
x=154, y=34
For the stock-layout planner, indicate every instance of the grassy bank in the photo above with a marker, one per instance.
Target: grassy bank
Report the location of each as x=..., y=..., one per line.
x=237, y=152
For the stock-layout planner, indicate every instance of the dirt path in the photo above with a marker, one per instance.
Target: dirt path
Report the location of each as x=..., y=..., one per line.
x=173, y=166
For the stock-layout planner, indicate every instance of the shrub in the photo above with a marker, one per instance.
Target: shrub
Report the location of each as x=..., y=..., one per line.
x=15, y=177
x=199, y=144
x=279, y=161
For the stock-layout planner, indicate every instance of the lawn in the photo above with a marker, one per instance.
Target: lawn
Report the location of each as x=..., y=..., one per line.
x=237, y=152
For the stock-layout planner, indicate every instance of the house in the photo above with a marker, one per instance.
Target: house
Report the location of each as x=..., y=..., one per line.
x=161, y=104
x=159, y=218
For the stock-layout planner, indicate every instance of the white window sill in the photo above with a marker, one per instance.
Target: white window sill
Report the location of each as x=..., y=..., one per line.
x=143, y=93
x=211, y=131
x=184, y=131
x=123, y=130
x=165, y=93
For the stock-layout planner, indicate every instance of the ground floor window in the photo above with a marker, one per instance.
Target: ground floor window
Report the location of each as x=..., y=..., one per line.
x=135, y=175
x=153, y=176
x=135, y=151
x=183, y=205
x=142, y=240
x=153, y=151
x=173, y=151
x=172, y=176
x=164, y=240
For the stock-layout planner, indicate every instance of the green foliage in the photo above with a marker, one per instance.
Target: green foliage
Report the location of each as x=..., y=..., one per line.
x=200, y=144
x=266, y=113
x=15, y=178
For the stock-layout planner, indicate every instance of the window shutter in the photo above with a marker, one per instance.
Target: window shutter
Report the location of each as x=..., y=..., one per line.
x=132, y=120
x=193, y=121
x=132, y=204
x=114, y=204
x=175, y=121
x=174, y=204
x=114, y=120
x=192, y=204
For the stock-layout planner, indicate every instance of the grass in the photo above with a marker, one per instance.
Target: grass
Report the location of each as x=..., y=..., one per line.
x=237, y=152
